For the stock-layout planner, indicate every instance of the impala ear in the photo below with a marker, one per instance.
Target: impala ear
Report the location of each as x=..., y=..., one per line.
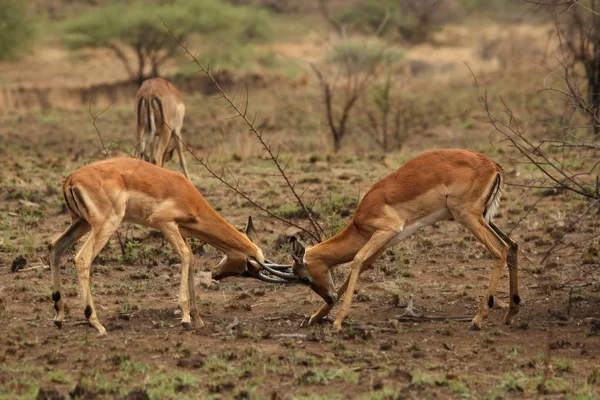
x=297, y=250
x=251, y=232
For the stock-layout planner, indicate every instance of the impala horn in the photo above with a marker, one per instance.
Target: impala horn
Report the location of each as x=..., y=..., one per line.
x=274, y=269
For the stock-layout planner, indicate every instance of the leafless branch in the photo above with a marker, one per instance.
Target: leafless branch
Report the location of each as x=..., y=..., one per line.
x=317, y=230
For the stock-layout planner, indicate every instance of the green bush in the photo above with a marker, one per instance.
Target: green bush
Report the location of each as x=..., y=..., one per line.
x=367, y=17
x=16, y=29
x=362, y=55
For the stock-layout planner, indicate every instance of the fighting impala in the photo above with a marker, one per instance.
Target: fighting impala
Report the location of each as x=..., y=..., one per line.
x=160, y=111
x=434, y=186
x=100, y=196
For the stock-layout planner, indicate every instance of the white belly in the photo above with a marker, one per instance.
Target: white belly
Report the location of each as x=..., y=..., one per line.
x=430, y=219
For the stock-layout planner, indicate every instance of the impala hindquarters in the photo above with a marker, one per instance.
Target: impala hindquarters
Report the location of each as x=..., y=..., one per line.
x=160, y=111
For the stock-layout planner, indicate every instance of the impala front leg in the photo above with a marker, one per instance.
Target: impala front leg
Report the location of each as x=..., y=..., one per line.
x=326, y=308
x=171, y=232
x=195, y=314
x=375, y=245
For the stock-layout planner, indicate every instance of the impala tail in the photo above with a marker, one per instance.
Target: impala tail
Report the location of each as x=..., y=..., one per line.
x=492, y=201
x=75, y=200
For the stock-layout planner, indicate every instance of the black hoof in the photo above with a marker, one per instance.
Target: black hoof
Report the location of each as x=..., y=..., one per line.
x=475, y=327
x=58, y=324
x=186, y=325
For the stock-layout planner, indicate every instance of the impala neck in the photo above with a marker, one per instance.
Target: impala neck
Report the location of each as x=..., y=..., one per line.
x=340, y=248
x=221, y=234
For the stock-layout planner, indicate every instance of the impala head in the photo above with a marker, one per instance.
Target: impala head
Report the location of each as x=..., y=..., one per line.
x=253, y=266
x=312, y=272
x=238, y=263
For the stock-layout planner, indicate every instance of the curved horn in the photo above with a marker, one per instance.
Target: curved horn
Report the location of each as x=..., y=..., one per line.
x=279, y=274
x=278, y=267
x=284, y=275
x=265, y=278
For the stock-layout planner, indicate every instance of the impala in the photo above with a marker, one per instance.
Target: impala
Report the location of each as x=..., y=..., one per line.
x=100, y=196
x=434, y=186
x=160, y=111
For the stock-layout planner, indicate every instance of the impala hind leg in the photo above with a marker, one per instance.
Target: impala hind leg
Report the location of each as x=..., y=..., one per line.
x=78, y=228
x=498, y=249
x=194, y=312
x=179, y=146
x=326, y=308
x=171, y=232
x=140, y=139
x=162, y=145
x=513, y=274
x=375, y=245
x=83, y=262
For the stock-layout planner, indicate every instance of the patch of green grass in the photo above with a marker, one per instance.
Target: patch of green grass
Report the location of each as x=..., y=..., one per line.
x=170, y=384
x=59, y=376
x=214, y=363
x=420, y=379
x=131, y=368
x=460, y=389
x=563, y=365
x=316, y=376
x=30, y=218
x=510, y=383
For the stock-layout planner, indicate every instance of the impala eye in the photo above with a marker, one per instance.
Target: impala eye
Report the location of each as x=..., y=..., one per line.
x=305, y=280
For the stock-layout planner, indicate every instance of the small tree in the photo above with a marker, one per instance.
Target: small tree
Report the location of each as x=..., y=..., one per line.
x=355, y=67
x=16, y=29
x=385, y=117
x=137, y=28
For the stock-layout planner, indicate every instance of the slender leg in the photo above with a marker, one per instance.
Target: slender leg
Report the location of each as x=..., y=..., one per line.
x=498, y=249
x=195, y=314
x=77, y=229
x=171, y=232
x=376, y=244
x=163, y=143
x=513, y=274
x=179, y=143
x=326, y=308
x=83, y=262
x=140, y=139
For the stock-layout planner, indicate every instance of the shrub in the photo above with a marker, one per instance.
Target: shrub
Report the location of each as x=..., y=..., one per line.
x=16, y=29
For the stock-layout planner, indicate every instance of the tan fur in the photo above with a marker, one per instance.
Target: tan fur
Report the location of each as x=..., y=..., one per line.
x=155, y=127
x=102, y=195
x=431, y=187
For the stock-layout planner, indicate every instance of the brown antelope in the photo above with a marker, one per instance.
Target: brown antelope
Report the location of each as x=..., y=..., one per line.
x=160, y=112
x=100, y=196
x=434, y=186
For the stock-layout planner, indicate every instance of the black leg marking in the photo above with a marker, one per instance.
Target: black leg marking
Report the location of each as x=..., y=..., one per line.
x=516, y=299
x=55, y=307
x=88, y=312
x=56, y=296
x=491, y=301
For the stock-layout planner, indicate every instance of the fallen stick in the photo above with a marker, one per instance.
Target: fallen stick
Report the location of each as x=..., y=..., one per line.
x=375, y=328
x=409, y=315
x=425, y=318
x=32, y=268
x=297, y=336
